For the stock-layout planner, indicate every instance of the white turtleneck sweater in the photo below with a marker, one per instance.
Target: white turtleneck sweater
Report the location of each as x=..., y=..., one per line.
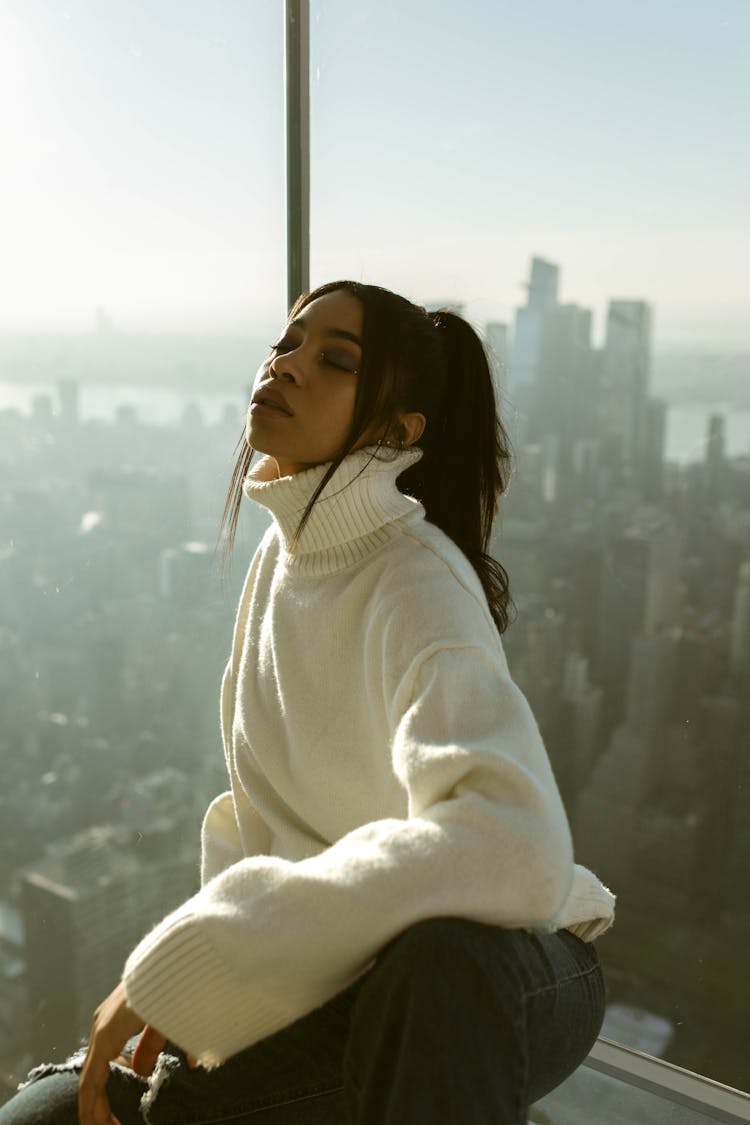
x=384, y=768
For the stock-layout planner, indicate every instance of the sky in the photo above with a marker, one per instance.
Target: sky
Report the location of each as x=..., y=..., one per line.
x=143, y=159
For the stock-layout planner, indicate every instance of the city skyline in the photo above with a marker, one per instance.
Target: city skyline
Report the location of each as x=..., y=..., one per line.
x=146, y=160
x=631, y=645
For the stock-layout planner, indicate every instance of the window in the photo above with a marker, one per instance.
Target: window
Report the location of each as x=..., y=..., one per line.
x=572, y=178
x=143, y=230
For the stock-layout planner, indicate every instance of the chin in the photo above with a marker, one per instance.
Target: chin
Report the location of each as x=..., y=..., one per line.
x=254, y=438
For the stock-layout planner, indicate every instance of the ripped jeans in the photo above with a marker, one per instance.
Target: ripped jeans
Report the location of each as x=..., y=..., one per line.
x=456, y=1021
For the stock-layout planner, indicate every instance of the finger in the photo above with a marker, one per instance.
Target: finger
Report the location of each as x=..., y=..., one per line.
x=93, y=1106
x=150, y=1044
x=104, y=1114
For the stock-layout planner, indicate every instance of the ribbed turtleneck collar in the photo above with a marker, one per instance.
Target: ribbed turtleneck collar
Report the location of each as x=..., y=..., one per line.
x=350, y=517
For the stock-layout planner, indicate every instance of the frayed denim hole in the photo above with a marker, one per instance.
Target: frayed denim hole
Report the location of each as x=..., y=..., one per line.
x=74, y=1062
x=166, y=1065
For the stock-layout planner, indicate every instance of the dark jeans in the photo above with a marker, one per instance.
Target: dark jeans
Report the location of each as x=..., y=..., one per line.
x=457, y=1021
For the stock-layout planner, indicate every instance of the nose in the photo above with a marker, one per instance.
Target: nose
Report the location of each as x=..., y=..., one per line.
x=284, y=375
x=283, y=365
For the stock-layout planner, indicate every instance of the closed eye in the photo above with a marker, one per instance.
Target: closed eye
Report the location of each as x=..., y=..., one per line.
x=341, y=366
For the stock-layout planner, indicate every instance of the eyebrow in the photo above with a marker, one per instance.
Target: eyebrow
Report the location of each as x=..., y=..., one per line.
x=301, y=322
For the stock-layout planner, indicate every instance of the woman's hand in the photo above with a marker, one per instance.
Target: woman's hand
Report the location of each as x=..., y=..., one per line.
x=147, y=1052
x=114, y=1023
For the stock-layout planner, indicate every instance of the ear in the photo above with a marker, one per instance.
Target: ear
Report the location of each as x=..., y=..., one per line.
x=412, y=427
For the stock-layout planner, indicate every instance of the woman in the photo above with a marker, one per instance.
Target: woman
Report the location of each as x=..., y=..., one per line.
x=391, y=926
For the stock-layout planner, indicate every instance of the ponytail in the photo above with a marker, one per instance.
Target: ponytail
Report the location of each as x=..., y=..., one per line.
x=467, y=458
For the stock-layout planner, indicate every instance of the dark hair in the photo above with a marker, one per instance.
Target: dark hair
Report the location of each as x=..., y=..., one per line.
x=433, y=363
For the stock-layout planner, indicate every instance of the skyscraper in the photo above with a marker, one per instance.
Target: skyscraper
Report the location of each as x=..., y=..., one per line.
x=626, y=374
x=85, y=905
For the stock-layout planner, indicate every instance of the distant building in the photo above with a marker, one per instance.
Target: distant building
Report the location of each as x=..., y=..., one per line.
x=626, y=377
x=85, y=906
x=41, y=409
x=607, y=809
x=496, y=343
x=67, y=390
x=651, y=680
x=186, y=573
x=716, y=465
x=141, y=502
x=126, y=416
x=739, y=651
x=650, y=472
x=669, y=789
x=640, y=591
x=724, y=722
x=230, y=415
x=575, y=744
x=552, y=384
x=529, y=329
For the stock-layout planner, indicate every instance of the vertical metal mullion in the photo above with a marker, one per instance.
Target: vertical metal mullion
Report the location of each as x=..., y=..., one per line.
x=297, y=90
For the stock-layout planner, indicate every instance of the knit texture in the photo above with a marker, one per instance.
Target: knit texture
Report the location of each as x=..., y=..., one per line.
x=384, y=767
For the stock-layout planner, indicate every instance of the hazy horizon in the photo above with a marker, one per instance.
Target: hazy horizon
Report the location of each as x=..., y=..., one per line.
x=227, y=361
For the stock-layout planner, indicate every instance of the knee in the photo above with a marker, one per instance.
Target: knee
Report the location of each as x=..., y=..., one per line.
x=434, y=953
x=438, y=959
x=447, y=940
x=439, y=975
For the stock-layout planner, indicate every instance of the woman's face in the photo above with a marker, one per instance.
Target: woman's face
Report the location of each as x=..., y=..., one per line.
x=314, y=366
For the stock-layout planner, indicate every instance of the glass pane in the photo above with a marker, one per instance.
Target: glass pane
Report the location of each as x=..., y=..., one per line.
x=573, y=178
x=143, y=261
x=589, y=1097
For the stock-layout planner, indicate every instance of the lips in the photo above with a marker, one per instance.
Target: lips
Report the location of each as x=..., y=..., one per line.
x=272, y=397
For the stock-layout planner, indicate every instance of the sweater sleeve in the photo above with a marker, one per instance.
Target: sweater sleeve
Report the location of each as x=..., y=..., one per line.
x=222, y=842
x=221, y=845
x=486, y=837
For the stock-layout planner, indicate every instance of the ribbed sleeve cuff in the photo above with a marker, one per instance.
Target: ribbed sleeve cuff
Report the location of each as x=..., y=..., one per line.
x=588, y=911
x=175, y=981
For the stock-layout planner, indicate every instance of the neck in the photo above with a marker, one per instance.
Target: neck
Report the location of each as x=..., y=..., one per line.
x=352, y=515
